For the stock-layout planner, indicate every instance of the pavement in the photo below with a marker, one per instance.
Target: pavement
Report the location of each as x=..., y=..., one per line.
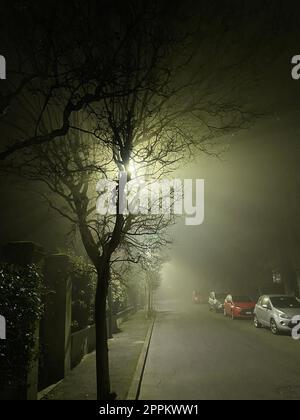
x=196, y=354
x=124, y=351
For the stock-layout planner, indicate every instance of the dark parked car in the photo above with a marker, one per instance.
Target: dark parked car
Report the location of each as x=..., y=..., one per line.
x=216, y=301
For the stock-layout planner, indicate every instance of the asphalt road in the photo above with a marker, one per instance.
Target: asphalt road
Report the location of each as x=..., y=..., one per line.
x=195, y=354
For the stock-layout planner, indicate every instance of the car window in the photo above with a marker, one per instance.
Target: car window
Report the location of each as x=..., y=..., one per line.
x=266, y=301
x=245, y=299
x=220, y=296
x=284, y=302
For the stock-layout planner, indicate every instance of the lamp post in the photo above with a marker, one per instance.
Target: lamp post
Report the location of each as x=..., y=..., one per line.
x=149, y=272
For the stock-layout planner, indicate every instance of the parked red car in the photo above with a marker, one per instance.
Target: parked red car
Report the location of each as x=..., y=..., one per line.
x=198, y=298
x=239, y=307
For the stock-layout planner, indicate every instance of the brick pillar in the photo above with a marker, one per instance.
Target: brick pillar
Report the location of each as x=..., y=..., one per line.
x=23, y=254
x=58, y=318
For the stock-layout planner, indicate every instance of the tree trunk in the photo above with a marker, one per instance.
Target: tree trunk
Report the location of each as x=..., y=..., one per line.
x=102, y=360
x=103, y=269
x=110, y=313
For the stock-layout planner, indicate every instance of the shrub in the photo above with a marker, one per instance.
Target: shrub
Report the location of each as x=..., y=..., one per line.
x=83, y=293
x=20, y=304
x=119, y=295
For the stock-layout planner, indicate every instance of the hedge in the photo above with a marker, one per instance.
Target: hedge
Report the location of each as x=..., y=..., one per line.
x=20, y=304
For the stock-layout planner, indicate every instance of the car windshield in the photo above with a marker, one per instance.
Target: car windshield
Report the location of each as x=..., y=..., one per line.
x=220, y=296
x=245, y=299
x=282, y=302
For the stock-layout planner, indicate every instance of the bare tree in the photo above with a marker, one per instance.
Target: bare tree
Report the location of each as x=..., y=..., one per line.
x=141, y=109
x=57, y=58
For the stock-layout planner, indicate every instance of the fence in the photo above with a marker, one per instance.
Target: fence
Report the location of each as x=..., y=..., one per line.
x=83, y=342
x=60, y=350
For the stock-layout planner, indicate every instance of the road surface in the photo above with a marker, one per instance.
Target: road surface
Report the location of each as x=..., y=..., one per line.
x=195, y=354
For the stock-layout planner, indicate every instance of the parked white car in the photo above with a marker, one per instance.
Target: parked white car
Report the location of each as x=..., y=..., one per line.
x=216, y=301
x=276, y=312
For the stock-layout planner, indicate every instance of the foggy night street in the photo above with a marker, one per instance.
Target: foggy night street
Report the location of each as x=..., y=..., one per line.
x=150, y=196
x=195, y=354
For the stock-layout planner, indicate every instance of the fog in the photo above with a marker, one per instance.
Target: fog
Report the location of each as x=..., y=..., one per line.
x=251, y=202
x=251, y=193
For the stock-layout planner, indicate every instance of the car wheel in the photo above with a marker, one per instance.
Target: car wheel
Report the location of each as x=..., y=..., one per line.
x=274, y=328
x=257, y=324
